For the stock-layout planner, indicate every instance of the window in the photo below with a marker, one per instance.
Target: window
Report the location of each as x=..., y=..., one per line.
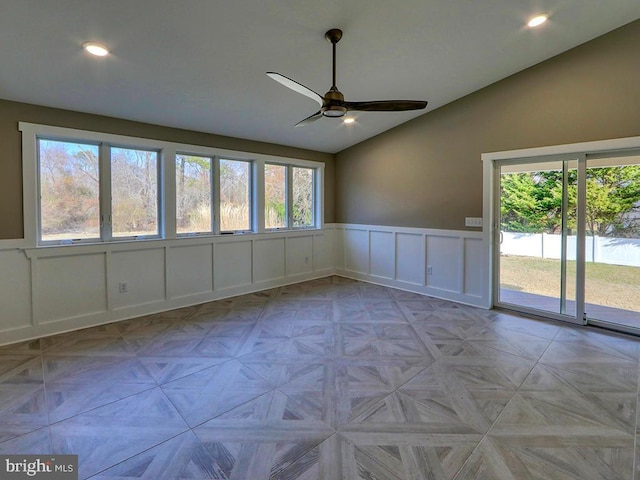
x=303, y=188
x=73, y=184
x=289, y=196
x=235, y=195
x=275, y=196
x=86, y=187
x=134, y=192
x=69, y=174
x=194, y=200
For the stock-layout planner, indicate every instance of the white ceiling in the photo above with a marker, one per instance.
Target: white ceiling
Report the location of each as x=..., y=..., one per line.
x=200, y=64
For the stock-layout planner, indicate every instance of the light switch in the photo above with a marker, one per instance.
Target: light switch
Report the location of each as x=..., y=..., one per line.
x=473, y=222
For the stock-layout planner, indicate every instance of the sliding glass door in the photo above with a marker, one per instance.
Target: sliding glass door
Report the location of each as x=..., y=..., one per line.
x=537, y=236
x=612, y=214
x=567, y=231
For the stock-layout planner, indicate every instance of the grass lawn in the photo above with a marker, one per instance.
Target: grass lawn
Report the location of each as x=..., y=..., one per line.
x=609, y=285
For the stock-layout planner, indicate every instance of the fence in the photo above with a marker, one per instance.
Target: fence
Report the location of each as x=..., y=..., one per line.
x=617, y=251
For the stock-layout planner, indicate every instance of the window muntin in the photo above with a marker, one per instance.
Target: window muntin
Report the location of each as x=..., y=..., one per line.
x=235, y=195
x=134, y=192
x=275, y=196
x=194, y=199
x=303, y=191
x=69, y=179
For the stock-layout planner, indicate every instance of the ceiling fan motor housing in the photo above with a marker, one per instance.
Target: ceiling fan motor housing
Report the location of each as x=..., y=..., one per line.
x=334, y=111
x=333, y=106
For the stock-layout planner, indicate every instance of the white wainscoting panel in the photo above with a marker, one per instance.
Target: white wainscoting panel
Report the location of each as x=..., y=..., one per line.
x=443, y=256
x=409, y=250
x=144, y=273
x=15, y=290
x=70, y=286
x=356, y=249
x=232, y=264
x=382, y=254
x=339, y=248
x=399, y=257
x=299, y=255
x=473, y=268
x=323, y=251
x=189, y=270
x=268, y=260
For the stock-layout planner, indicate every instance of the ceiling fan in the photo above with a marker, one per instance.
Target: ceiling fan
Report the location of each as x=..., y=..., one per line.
x=333, y=103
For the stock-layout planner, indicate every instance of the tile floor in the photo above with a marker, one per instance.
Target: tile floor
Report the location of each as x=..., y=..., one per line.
x=327, y=379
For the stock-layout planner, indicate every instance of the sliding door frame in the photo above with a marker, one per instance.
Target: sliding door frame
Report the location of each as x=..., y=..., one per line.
x=496, y=238
x=491, y=202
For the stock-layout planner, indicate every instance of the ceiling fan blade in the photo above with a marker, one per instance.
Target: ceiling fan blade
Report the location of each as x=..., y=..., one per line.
x=296, y=87
x=386, y=105
x=309, y=119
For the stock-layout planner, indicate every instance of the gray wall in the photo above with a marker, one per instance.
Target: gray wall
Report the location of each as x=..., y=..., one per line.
x=11, y=161
x=428, y=173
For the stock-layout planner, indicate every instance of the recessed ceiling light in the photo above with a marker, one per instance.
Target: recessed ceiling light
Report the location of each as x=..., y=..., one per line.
x=349, y=120
x=97, y=49
x=538, y=20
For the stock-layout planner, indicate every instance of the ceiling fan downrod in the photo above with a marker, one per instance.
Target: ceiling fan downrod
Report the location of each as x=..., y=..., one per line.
x=333, y=36
x=331, y=109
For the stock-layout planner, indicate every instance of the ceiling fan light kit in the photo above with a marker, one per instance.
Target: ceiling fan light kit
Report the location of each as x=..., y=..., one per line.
x=333, y=104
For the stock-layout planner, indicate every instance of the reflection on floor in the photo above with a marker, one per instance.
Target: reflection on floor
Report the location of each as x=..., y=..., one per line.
x=611, y=315
x=327, y=379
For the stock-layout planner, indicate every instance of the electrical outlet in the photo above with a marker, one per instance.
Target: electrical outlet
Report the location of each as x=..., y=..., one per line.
x=123, y=287
x=429, y=270
x=306, y=259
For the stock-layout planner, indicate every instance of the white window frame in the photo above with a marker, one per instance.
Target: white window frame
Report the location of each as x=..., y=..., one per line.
x=31, y=134
x=102, y=194
x=289, y=197
x=252, y=200
x=314, y=180
x=214, y=193
x=167, y=152
x=107, y=221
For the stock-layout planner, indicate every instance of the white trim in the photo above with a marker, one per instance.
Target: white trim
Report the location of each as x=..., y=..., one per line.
x=54, y=300
x=415, y=230
x=106, y=223
x=490, y=198
x=318, y=215
x=63, y=133
x=409, y=269
x=289, y=199
x=13, y=244
x=166, y=182
x=167, y=206
x=581, y=244
x=29, y=183
x=257, y=177
x=234, y=266
x=215, y=188
x=568, y=149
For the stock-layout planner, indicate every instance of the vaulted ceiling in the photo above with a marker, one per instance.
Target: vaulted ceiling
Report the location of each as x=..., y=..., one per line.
x=201, y=64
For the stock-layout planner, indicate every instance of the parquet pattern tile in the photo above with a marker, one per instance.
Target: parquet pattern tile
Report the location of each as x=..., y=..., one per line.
x=324, y=380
